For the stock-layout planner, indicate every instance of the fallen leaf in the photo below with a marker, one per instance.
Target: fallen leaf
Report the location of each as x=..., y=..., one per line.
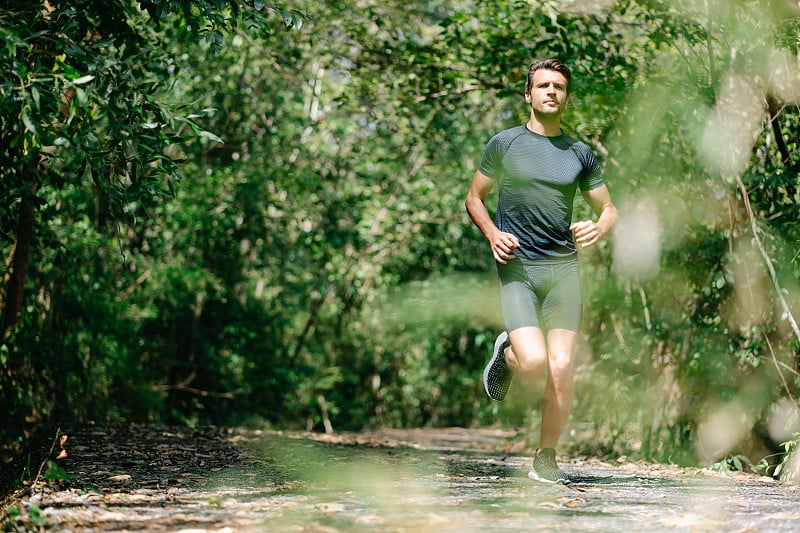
x=370, y=519
x=330, y=507
x=434, y=518
x=572, y=503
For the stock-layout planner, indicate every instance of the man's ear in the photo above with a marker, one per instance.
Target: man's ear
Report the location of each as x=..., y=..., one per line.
x=527, y=98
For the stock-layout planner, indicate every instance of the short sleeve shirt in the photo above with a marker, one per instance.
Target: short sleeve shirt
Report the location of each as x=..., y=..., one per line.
x=538, y=177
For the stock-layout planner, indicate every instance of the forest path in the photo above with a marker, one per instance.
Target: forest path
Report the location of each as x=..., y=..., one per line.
x=141, y=478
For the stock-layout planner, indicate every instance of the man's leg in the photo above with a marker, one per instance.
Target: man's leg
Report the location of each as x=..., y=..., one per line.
x=561, y=316
x=527, y=353
x=556, y=403
x=558, y=392
x=521, y=348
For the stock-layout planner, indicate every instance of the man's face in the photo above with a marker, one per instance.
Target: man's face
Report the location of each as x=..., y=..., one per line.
x=548, y=94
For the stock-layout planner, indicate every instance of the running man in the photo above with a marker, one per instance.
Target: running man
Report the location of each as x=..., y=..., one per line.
x=538, y=169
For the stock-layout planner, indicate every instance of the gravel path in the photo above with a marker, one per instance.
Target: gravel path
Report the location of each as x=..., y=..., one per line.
x=212, y=479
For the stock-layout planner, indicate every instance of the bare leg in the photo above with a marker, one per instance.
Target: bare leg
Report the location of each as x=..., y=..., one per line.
x=558, y=392
x=527, y=353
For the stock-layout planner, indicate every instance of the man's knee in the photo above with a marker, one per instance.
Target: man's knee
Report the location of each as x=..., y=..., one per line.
x=530, y=362
x=560, y=362
x=560, y=344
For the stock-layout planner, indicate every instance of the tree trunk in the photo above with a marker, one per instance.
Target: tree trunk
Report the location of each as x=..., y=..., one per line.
x=21, y=260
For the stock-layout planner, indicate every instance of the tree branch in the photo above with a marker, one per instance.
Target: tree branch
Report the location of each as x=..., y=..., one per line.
x=778, y=369
x=773, y=110
x=184, y=387
x=773, y=275
x=441, y=94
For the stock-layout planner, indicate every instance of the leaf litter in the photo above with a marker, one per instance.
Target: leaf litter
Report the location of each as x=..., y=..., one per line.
x=151, y=478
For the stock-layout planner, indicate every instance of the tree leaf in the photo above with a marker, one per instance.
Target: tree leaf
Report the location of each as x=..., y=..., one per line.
x=26, y=119
x=83, y=79
x=210, y=136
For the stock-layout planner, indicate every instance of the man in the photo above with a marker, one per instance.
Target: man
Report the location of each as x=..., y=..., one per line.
x=538, y=170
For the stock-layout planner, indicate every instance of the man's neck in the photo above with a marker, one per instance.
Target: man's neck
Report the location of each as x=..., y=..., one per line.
x=549, y=127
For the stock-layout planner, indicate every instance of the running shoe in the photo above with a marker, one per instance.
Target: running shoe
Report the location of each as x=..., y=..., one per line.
x=497, y=376
x=545, y=469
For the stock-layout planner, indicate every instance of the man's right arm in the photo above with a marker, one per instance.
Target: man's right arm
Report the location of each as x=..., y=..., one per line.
x=502, y=243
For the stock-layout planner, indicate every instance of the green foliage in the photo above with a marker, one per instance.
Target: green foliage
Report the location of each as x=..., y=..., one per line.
x=55, y=474
x=239, y=224
x=20, y=520
x=740, y=463
x=789, y=468
x=90, y=138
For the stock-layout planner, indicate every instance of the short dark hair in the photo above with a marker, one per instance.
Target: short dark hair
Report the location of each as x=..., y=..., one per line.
x=547, y=64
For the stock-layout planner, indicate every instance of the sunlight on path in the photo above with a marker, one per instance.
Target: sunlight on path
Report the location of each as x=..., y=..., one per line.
x=316, y=486
x=426, y=480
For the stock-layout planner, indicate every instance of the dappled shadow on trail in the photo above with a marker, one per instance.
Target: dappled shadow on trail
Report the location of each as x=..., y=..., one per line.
x=391, y=481
x=390, y=486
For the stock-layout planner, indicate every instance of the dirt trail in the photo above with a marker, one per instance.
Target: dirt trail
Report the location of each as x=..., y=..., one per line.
x=166, y=479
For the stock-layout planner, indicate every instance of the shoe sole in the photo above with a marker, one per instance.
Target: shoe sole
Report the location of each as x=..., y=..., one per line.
x=536, y=477
x=503, y=337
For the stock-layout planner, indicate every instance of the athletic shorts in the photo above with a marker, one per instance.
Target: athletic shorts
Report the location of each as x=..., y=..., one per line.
x=545, y=293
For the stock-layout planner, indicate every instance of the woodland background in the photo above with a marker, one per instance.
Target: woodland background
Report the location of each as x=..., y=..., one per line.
x=235, y=212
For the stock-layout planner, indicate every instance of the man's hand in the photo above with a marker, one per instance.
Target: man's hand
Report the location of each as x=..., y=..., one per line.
x=586, y=232
x=503, y=244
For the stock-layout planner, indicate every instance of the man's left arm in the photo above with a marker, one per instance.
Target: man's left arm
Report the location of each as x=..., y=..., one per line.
x=588, y=232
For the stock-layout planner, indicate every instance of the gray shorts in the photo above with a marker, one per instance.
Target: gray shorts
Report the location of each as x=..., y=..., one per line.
x=545, y=293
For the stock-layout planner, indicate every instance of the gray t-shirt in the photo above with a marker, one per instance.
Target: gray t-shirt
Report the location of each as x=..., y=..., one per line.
x=538, y=177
